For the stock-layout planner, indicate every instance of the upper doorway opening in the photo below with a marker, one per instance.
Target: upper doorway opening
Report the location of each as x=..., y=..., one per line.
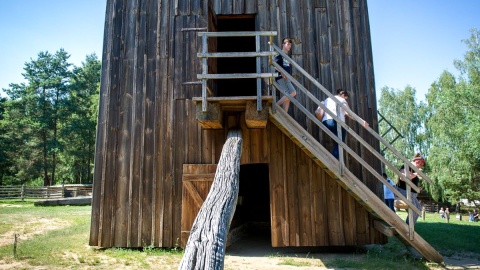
x=236, y=87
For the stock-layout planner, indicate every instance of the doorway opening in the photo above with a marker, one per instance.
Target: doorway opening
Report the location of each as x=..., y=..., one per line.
x=252, y=214
x=236, y=87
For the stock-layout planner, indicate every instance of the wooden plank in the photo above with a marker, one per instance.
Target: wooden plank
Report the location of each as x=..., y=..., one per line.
x=101, y=132
x=172, y=183
x=247, y=140
x=321, y=224
x=349, y=219
x=181, y=51
x=384, y=228
x=277, y=189
x=291, y=182
x=111, y=95
x=282, y=20
x=304, y=198
x=324, y=51
x=235, y=54
x=193, y=193
x=239, y=6
x=235, y=76
x=134, y=236
x=227, y=7
x=123, y=201
x=238, y=33
x=212, y=118
x=198, y=177
x=251, y=7
x=254, y=118
x=207, y=146
x=320, y=3
x=334, y=216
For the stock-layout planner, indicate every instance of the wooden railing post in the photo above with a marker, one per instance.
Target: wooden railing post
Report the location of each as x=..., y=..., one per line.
x=274, y=95
x=22, y=192
x=259, y=70
x=341, y=162
x=204, y=72
x=411, y=222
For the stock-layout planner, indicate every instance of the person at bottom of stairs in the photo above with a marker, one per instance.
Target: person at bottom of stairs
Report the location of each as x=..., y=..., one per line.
x=419, y=162
x=388, y=195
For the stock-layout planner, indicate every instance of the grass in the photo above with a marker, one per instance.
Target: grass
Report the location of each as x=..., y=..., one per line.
x=57, y=238
x=62, y=241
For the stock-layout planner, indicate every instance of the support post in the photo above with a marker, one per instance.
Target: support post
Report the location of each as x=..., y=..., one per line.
x=206, y=245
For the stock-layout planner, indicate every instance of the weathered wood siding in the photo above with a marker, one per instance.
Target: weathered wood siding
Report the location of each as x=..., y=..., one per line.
x=308, y=206
x=147, y=128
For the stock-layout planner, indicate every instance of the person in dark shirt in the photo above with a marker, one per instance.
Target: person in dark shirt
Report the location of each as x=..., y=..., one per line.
x=419, y=162
x=281, y=79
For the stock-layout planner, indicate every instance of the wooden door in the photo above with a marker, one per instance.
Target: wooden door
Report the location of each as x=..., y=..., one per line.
x=196, y=182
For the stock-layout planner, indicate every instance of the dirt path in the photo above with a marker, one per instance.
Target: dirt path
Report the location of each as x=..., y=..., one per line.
x=257, y=254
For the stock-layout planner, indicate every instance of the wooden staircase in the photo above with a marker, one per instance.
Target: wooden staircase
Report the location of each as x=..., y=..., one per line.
x=388, y=221
x=209, y=114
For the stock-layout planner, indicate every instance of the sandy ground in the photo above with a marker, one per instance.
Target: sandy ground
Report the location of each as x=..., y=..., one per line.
x=252, y=253
x=257, y=253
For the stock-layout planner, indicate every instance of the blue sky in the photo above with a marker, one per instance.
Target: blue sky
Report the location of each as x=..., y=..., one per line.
x=413, y=41
x=28, y=27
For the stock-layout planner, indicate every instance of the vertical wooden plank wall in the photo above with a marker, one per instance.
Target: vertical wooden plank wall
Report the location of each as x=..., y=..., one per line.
x=308, y=206
x=147, y=129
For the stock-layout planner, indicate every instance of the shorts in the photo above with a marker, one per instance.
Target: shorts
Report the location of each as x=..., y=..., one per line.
x=287, y=86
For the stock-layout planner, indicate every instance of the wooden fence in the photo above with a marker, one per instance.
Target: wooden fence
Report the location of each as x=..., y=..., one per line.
x=44, y=192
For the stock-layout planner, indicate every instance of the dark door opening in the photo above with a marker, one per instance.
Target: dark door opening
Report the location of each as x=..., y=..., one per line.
x=253, y=205
x=236, y=87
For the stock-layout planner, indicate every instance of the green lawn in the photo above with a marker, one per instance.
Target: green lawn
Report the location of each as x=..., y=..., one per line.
x=57, y=238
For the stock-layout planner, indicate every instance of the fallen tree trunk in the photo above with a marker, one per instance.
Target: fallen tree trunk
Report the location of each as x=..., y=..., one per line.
x=206, y=245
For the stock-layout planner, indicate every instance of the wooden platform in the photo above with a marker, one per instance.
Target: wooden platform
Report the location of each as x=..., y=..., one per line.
x=213, y=117
x=237, y=103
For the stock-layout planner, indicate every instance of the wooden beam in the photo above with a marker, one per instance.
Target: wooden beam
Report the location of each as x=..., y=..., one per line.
x=236, y=76
x=254, y=118
x=212, y=118
x=384, y=228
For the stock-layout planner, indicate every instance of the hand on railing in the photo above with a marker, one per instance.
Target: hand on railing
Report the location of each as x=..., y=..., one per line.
x=365, y=124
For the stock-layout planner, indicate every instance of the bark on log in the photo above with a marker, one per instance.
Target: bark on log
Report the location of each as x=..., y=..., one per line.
x=206, y=245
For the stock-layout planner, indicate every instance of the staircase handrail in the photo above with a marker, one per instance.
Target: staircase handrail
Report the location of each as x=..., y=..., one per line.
x=353, y=133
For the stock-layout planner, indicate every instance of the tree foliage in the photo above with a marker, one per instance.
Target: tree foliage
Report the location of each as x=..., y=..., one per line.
x=38, y=116
x=446, y=128
x=455, y=126
x=400, y=108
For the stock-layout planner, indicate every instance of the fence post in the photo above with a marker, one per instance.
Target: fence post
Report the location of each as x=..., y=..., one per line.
x=22, y=192
x=63, y=190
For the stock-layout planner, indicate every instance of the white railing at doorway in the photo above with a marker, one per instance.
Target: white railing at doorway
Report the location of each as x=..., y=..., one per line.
x=205, y=54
